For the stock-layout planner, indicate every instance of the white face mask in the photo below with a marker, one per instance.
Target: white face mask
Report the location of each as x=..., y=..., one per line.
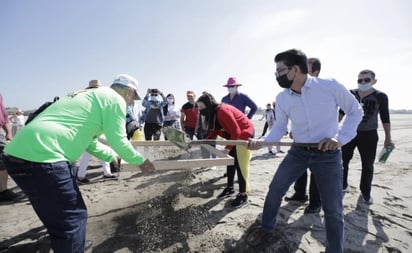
x=153, y=98
x=365, y=86
x=232, y=90
x=170, y=100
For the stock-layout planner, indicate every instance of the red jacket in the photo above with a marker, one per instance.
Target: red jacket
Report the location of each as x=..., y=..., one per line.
x=235, y=124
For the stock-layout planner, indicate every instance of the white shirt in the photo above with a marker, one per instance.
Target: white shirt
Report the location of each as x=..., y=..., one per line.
x=20, y=120
x=270, y=117
x=173, y=112
x=314, y=112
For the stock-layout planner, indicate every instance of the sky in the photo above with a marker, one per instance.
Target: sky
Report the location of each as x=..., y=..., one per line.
x=50, y=48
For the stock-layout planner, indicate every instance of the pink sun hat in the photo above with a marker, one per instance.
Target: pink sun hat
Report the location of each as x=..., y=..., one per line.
x=231, y=82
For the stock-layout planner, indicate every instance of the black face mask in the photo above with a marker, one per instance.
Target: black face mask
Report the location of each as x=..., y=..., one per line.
x=204, y=111
x=283, y=81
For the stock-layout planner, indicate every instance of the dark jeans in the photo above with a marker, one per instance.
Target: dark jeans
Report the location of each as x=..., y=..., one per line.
x=3, y=143
x=190, y=131
x=327, y=169
x=232, y=169
x=300, y=185
x=300, y=189
x=366, y=142
x=56, y=199
x=265, y=128
x=152, y=130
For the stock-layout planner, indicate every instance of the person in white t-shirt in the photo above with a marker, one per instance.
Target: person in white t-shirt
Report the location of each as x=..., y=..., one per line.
x=18, y=121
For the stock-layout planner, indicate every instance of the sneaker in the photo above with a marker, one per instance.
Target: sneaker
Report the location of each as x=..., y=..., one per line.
x=270, y=152
x=239, y=201
x=227, y=192
x=280, y=151
x=368, y=201
x=258, y=237
x=9, y=195
x=83, y=180
x=312, y=209
x=297, y=198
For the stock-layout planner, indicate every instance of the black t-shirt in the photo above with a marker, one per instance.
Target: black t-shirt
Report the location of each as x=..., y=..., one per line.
x=373, y=104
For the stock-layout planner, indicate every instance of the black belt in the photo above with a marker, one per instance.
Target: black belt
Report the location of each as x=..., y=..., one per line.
x=16, y=160
x=312, y=149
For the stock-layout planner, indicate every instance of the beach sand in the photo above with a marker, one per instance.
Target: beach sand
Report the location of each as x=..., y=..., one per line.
x=177, y=210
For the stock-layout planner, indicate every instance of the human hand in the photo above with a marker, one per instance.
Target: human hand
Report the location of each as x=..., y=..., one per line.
x=147, y=166
x=388, y=142
x=9, y=136
x=329, y=144
x=116, y=162
x=254, y=144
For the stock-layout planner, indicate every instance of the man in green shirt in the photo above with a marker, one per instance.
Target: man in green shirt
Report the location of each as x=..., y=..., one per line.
x=40, y=156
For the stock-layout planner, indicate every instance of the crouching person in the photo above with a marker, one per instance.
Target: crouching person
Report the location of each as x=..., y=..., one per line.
x=57, y=138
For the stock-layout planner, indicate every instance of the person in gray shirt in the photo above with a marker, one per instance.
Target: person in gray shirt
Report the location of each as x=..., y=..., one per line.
x=374, y=103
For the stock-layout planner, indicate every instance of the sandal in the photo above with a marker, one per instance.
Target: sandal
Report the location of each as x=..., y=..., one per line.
x=258, y=237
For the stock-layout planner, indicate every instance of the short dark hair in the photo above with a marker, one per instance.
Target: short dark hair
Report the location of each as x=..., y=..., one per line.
x=315, y=64
x=367, y=71
x=293, y=57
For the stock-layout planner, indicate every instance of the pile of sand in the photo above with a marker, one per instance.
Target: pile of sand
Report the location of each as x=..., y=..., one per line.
x=177, y=210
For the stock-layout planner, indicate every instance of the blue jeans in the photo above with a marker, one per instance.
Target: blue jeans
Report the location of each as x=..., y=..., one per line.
x=327, y=170
x=55, y=198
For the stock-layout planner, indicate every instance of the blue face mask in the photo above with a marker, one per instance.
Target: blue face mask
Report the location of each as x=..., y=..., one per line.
x=365, y=86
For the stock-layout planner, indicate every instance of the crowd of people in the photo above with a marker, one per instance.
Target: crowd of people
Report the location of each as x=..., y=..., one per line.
x=320, y=111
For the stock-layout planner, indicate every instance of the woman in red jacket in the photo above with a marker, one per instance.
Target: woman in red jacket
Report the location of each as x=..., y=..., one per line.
x=230, y=123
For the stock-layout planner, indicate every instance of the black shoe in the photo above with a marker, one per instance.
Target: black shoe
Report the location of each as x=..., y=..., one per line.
x=110, y=176
x=88, y=245
x=297, y=198
x=312, y=209
x=113, y=168
x=9, y=195
x=227, y=192
x=83, y=180
x=239, y=201
x=367, y=200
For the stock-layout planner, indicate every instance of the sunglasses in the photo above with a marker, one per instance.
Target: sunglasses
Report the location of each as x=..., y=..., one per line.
x=366, y=80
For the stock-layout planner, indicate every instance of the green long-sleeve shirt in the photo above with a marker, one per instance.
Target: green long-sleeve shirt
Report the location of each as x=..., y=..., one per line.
x=71, y=125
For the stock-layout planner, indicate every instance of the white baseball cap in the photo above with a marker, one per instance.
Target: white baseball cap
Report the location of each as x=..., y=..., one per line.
x=129, y=81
